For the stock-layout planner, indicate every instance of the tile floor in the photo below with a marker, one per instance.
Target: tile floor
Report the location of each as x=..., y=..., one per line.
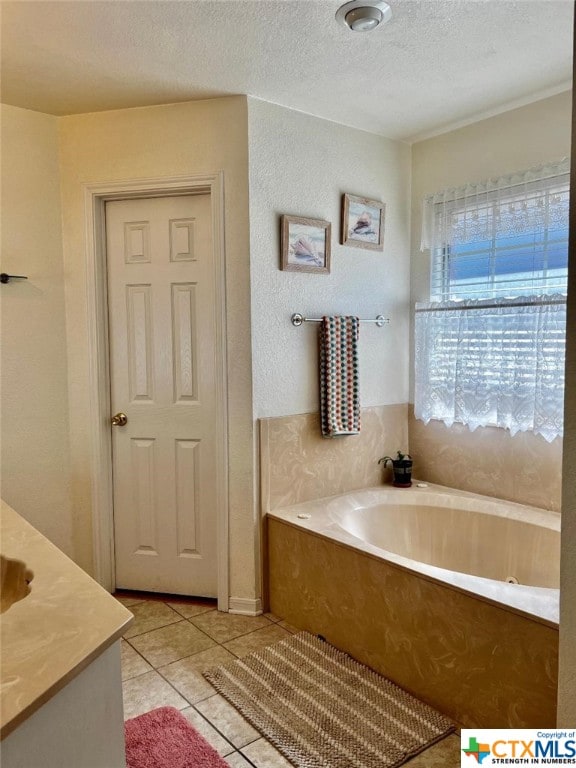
x=173, y=640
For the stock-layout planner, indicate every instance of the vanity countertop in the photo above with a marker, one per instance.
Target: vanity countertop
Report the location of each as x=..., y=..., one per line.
x=56, y=631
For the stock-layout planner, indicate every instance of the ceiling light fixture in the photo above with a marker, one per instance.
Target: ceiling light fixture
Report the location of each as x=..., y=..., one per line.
x=364, y=15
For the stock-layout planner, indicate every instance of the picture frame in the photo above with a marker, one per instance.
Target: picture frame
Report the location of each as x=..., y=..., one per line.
x=305, y=244
x=363, y=222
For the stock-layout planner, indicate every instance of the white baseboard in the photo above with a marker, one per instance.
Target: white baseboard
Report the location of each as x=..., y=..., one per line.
x=245, y=606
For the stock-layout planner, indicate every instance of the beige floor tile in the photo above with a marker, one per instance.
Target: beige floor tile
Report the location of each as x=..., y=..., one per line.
x=146, y=692
x=264, y=755
x=151, y=615
x=183, y=649
x=211, y=735
x=132, y=663
x=228, y=721
x=188, y=609
x=237, y=760
x=128, y=601
x=167, y=644
x=246, y=644
x=288, y=627
x=445, y=754
x=226, y=626
x=186, y=674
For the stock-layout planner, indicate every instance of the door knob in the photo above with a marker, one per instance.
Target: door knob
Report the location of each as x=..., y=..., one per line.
x=119, y=420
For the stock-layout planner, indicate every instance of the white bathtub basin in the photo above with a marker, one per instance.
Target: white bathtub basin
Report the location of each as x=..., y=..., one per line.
x=471, y=542
x=480, y=543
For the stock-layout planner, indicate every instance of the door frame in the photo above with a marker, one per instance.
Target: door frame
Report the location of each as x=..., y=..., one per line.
x=95, y=198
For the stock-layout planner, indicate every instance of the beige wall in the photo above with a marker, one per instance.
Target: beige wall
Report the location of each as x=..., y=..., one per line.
x=567, y=673
x=180, y=139
x=301, y=165
x=513, y=141
x=34, y=432
x=567, y=670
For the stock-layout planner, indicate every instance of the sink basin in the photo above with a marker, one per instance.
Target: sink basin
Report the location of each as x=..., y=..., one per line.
x=15, y=582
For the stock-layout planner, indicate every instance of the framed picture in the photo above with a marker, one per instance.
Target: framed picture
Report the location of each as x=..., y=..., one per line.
x=305, y=244
x=363, y=222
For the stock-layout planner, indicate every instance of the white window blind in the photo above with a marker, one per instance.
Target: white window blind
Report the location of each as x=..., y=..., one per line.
x=490, y=345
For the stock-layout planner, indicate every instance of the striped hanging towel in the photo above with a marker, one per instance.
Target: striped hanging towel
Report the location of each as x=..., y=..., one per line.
x=339, y=384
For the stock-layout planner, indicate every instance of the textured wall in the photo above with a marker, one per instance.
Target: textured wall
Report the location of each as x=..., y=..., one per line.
x=190, y=138
x=301, y=165
x=35, y=450
x=512, y=141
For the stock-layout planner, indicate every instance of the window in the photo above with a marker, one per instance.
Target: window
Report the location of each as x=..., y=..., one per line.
x=490, y=345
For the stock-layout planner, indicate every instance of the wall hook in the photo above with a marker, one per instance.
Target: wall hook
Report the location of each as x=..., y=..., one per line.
x=5, y=278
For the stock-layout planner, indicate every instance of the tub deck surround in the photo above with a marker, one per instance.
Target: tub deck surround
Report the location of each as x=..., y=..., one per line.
x=480, y=663
x=523, y=468
x=297, y=464
x=56, y=631
x=482, y=651
x=361, y=519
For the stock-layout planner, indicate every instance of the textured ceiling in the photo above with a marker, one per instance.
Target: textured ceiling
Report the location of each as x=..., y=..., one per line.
x=436, y=64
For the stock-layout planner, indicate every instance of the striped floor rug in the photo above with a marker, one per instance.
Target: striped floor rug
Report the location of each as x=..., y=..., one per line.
x=322, y=709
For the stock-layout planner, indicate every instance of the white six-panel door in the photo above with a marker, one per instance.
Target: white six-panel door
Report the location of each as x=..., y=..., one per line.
x=162, y=371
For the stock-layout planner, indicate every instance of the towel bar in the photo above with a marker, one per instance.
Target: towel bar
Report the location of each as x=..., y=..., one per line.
x=298, y=319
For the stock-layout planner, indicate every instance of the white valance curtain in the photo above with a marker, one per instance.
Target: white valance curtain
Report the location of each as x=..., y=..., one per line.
x=507, y=205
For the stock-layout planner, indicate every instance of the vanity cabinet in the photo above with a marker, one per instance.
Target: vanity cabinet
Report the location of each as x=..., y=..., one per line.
x=61, y=684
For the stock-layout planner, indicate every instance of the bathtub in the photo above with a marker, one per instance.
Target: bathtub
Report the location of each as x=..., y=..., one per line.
x=451, y=594
x=505, y=552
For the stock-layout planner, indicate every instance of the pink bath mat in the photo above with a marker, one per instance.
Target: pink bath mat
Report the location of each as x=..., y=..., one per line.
x=163, y=738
